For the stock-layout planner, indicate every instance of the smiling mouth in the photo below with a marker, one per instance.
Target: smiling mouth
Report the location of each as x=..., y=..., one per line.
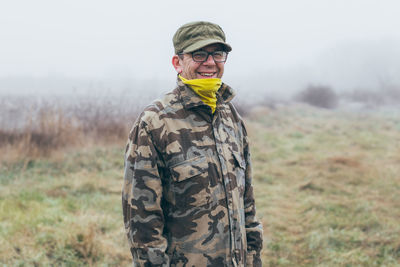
x=207, y=74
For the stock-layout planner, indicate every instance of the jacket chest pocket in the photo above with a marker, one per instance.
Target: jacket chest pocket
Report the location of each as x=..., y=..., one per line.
x=240, y=171
x=190, y=183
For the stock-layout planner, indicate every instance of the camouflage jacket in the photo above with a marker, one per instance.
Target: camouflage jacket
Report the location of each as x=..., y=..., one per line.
x=187, y=196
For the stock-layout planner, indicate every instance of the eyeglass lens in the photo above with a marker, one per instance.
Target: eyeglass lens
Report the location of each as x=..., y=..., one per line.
x=201, y=56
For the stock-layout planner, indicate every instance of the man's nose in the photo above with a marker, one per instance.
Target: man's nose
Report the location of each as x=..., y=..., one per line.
x=209, y=60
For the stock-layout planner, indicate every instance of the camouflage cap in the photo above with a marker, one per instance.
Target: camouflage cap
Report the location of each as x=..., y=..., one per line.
x=198, y=34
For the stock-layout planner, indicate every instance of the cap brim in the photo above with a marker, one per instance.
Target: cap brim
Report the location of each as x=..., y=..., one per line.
x=203, y=43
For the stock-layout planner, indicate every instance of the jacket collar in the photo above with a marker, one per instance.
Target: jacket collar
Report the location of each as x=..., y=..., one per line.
x=190, y=99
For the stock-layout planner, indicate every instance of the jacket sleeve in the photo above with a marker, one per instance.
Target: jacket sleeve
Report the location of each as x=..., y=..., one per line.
x=141, y=200
x=254, y=231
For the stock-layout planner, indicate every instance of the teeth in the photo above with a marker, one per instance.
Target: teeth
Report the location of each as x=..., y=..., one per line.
x=207, y=74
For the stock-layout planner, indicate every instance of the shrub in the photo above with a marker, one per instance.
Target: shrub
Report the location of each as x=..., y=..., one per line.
x=368, y=97
x=319, y=96
x=392, y=93
x=386, y=95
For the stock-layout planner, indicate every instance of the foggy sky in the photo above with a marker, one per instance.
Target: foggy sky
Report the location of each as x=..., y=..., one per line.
x=278, y=44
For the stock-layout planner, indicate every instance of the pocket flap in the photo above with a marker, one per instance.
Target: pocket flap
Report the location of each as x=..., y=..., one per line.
x=239, y=159
x=189, y=168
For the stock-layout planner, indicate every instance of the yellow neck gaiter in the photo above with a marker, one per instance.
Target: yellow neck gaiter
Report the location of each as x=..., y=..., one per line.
x=206, y=89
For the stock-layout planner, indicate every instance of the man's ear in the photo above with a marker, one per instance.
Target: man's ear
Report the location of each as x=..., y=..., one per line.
x=177, y=64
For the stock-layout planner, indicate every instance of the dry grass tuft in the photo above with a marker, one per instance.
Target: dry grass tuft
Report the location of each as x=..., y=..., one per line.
x=345, y=161
x=83, y=242
x=311, y=186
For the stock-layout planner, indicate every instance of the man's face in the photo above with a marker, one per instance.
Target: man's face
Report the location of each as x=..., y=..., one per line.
x=190, y=69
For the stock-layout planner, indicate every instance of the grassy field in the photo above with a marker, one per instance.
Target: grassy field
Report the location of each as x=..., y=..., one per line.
x=327, y=186
x=327, y=191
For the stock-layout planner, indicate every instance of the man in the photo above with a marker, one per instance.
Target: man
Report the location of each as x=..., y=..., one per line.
x=187, y=197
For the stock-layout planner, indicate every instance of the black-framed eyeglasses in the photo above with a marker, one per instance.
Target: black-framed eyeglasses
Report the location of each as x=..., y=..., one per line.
x=202, y=56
